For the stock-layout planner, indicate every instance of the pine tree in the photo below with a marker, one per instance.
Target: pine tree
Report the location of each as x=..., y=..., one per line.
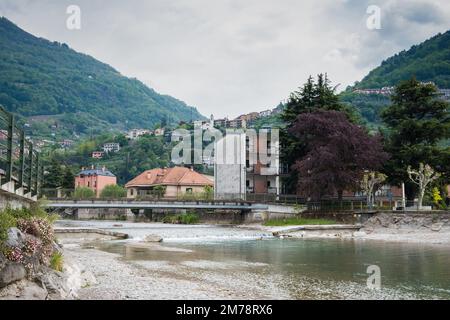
x=311, y=97
x=68, y=180
x=54, y=176
x=417, y=122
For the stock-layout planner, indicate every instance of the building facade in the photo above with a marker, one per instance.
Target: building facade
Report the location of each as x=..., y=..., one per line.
x=247, y=165
x=98, y=154
x=95, y=179
x=111, y=147
x=176, y=182
x=136, y=133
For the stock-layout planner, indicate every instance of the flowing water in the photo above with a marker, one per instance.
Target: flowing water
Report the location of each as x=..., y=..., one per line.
x=306, y=268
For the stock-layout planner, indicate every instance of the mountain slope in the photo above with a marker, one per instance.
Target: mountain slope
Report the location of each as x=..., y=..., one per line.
x=429, y=61
x=43, y=78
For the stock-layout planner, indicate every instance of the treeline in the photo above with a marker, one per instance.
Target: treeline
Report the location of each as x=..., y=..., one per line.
x=329, y=150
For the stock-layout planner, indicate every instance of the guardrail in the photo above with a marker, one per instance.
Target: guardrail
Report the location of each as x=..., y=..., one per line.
x=19, y=161
x=347, y=204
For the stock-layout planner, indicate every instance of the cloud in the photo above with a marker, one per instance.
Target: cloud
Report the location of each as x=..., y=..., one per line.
x=228, y=57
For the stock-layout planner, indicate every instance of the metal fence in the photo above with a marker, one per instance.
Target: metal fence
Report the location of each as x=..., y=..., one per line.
x=19, y=162
x=347, y=204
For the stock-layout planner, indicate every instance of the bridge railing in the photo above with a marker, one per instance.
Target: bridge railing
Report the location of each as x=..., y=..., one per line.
x=329, y=204
x=19, y=161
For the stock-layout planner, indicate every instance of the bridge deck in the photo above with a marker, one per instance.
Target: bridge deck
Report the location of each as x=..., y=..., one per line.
x=93, y=204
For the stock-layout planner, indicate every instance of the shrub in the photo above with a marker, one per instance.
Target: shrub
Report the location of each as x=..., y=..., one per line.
x=83, y=193
x=187, y=218
x=39, y=227
x=57, y=261
x=35, y=222
x=160, y=191
x=208, y=193
x=113, y=191
x=7, y=220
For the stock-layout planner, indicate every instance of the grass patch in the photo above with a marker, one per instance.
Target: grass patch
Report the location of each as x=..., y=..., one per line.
x=297, y=222
x=57, y=261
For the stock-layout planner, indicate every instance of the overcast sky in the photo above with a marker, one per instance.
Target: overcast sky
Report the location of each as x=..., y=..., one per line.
x=229, y=57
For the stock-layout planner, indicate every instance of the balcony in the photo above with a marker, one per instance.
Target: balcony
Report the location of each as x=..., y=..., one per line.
x=269, y=171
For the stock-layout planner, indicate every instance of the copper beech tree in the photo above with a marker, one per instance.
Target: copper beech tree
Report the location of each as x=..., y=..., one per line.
x=338, y=153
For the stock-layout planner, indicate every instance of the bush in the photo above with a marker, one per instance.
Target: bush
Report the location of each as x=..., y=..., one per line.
x=113, y=191
x=83, y=193
x=160, y=191
x=6, y=221
x=57, y=261
x=187, y=218
x=35, y=222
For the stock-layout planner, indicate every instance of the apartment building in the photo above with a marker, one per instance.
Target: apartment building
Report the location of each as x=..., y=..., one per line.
x=247, y=164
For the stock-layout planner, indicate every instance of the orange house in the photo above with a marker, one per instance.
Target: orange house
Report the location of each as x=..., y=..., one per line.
x=95, y=179
x=177, y=181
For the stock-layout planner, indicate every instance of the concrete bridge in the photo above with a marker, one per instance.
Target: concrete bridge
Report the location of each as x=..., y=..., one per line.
x=225, y=211
x=134, y=204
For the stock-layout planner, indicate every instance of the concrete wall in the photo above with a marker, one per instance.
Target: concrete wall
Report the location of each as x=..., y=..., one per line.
x=15, y=199
x=12, y=202
x=229, y=168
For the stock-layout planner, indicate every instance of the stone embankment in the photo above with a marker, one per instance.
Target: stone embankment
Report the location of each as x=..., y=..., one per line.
x=24, y=276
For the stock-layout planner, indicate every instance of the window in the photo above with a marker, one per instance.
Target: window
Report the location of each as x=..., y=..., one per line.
x=247, y=183
x=89, y=184
x=132, y=192
x=268, y=184
x=189, y=190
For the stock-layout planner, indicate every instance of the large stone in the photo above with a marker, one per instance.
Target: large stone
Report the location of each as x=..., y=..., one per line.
x=55, y=284
x=436, y=227
x=153, y=238
x=11, y=272
x=23, y=290
x=16, y=238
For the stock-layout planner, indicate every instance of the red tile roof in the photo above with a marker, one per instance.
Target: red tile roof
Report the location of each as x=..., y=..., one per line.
x=170, y=176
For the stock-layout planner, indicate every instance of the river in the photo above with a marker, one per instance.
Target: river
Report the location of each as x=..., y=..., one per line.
x=283, y=268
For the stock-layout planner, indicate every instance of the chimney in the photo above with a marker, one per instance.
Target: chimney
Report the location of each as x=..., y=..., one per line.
x=103, y=168
x=92, y=167
x=192, y=168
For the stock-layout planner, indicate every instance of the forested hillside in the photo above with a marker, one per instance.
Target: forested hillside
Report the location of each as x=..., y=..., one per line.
x=429, y=61
x=49, y=84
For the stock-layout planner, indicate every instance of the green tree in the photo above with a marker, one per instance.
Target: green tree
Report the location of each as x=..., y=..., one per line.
x=54, y=175
x=417, y=125
x=313, y=96
x=113, y=191
x=83, y=193
x=68, y=180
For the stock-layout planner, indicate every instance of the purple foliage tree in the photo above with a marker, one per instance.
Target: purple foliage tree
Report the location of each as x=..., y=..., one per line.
x=338, y=153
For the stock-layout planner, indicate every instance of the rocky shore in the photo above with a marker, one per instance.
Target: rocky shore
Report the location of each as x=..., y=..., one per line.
x=26, y=275
x=433, y=229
